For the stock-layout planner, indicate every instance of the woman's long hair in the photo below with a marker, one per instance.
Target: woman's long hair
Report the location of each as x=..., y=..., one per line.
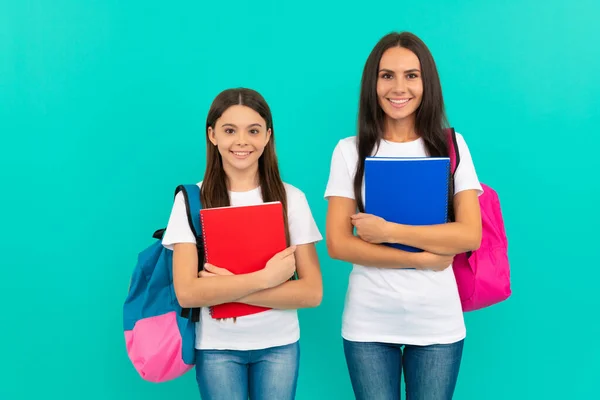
x=430, y=118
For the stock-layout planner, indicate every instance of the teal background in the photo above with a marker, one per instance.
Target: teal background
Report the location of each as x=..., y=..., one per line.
x=102, y=105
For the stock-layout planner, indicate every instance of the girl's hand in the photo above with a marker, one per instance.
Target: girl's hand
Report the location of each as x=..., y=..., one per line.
x=370, y=228
x=210, y=270
x=280, y=267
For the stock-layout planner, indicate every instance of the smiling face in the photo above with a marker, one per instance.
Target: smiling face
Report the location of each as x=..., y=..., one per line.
x=240, y=135
x=399, y=83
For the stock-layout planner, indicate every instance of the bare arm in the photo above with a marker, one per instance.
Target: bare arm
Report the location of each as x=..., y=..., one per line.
x=306, y=291
x=192, y=291
x=451, y=238
x=343, y=245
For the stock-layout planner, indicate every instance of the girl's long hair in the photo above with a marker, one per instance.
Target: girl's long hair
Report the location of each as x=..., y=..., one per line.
x=214, y=192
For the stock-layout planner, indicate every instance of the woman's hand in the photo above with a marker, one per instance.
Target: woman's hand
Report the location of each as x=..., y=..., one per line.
x=371, y=228
x=434, y=262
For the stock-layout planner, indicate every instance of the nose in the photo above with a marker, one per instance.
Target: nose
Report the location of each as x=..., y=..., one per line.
x=400, y=85
x=241, y=138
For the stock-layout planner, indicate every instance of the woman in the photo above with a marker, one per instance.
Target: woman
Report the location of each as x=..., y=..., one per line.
x=402, y=311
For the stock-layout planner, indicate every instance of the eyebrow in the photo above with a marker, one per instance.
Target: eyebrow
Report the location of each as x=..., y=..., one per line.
x=249, y=126
x=406, y=72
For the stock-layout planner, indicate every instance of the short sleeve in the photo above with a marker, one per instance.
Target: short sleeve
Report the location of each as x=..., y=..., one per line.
x=465, y=177
x=341, y=181
x=178, y=229
x=302, y=225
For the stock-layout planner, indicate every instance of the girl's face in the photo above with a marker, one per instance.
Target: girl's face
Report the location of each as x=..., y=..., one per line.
x=399, y=83
x=241, y=136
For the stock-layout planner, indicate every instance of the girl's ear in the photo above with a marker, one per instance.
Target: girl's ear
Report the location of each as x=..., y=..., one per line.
x=211, y=135
x=268, y=135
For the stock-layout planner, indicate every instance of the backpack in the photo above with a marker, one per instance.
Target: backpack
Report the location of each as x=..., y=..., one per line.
x=160, y=335
x=483, y=275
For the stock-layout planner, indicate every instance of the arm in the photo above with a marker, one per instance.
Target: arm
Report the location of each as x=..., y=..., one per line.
x=305, y=292
x=451, y=238
x=343, y=245
x=192, y=291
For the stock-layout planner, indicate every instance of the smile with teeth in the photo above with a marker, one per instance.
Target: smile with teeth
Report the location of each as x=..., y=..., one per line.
x=398, y=102
x=241, y=154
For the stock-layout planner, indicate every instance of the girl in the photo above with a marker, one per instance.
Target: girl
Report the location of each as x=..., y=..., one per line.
x=255, y=356
x=402, y=310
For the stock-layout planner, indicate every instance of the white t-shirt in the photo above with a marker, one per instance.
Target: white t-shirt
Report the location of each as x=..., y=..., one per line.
x=258, y=331
x=405, y=306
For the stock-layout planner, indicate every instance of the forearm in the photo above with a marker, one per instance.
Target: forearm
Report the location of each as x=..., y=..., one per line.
x=204, y=292
x=354, y=250
x=289, y=295
x=447, y=239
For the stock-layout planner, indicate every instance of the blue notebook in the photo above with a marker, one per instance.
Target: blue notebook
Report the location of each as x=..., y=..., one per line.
x=409, y=191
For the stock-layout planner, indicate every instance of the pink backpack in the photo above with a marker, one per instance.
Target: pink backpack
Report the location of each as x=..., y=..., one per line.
x=483, y=276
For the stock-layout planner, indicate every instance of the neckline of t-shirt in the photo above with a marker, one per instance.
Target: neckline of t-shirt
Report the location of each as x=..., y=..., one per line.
x=417, y=140
x=245, y=192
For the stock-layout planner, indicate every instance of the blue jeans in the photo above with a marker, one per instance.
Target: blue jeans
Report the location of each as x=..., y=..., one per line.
x=430, y=372
x=261, y=374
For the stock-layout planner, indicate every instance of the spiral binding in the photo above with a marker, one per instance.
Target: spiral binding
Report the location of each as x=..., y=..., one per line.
x=204, y=253
x=204, y=248
x=454, y=156
x=448, y=178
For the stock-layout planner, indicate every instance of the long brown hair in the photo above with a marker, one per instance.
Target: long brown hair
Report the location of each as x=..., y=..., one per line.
x=213, y=192
x=430, y=118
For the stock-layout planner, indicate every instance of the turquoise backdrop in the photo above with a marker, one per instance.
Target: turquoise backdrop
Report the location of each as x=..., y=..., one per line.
x=102, y=107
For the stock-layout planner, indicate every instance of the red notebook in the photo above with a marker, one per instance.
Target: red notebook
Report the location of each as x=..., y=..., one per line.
x=242, y=239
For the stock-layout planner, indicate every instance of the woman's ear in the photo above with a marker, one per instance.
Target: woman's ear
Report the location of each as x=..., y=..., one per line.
x=211, y=135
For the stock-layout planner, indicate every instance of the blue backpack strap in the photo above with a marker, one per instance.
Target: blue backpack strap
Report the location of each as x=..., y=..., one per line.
x=191, y=194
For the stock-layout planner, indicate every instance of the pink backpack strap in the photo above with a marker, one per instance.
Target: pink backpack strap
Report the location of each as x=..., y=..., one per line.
x=452, y=149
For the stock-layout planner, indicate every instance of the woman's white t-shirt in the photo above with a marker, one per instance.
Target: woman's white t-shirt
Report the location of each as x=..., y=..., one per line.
x=258, y=331
x=405, y=306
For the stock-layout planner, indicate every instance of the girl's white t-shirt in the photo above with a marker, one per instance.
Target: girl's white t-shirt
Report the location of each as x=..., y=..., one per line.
x=405, y=306
x=258, y=331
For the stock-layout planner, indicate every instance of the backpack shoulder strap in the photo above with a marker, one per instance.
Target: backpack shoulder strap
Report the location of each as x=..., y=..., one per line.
x=191, y=194
x=452, y=149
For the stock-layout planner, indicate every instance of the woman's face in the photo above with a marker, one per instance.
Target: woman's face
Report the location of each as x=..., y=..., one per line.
x=399, y=83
